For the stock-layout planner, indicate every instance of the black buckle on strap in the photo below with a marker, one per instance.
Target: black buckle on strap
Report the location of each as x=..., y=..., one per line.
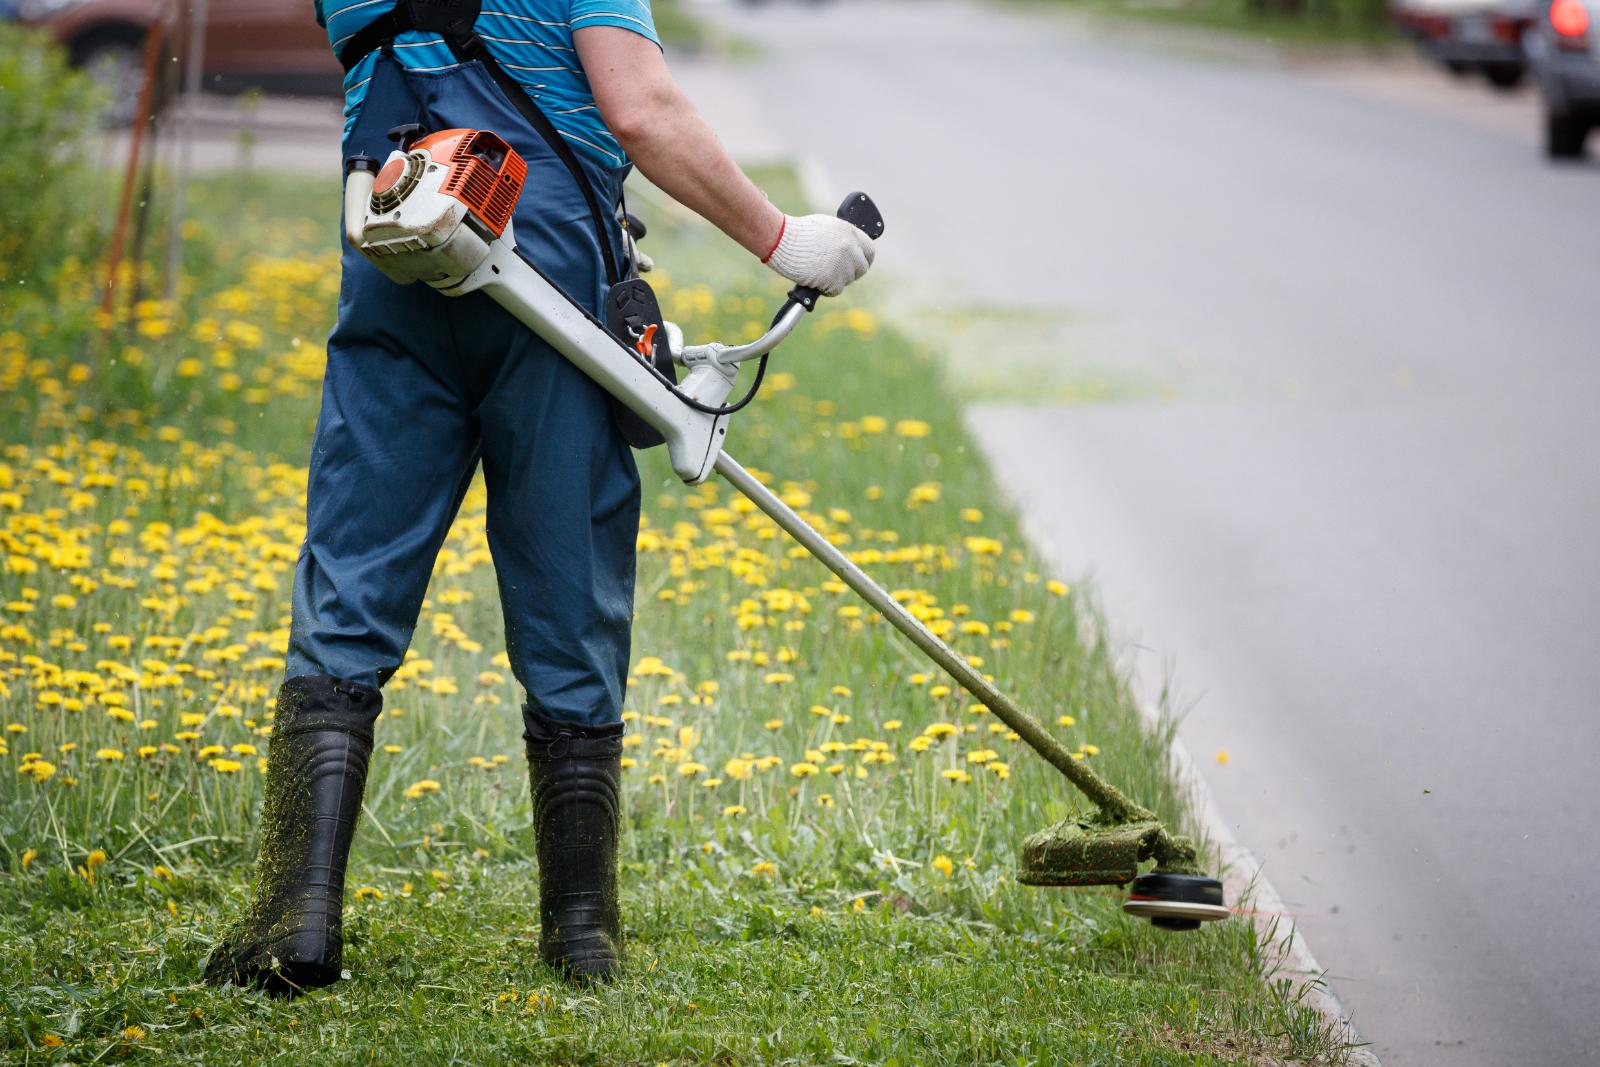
x=449, y=18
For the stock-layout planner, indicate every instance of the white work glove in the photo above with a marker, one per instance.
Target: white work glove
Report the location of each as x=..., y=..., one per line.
x=641, y=262
x=821, y=251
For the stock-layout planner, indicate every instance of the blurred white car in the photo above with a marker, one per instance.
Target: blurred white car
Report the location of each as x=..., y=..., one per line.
x=1563, y=47
x=1470, y=36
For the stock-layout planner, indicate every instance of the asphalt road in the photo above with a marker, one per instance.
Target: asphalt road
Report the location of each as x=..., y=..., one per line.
x=1334, y=336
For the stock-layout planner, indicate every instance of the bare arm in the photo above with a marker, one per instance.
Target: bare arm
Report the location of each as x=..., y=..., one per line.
x=668, y=140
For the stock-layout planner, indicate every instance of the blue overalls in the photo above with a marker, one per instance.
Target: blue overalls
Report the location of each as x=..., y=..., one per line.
x=419, y=388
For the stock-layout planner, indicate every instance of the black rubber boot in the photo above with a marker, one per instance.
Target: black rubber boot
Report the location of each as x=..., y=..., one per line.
x=576, y=772
x=290, y=939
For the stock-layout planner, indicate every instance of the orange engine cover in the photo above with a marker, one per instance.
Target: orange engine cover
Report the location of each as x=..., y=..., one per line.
x=485, y=173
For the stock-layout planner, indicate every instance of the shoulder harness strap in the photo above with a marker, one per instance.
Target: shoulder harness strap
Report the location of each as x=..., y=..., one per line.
x=453, y=20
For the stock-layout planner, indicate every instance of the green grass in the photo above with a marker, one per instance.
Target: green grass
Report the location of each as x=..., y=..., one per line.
x=150, y=495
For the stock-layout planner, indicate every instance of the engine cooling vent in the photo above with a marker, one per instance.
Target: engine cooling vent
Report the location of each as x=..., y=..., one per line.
x=486, y=174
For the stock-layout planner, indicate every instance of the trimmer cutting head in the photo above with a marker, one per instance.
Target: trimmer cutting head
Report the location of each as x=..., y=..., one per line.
x=1176, y=901
x=1084, y=851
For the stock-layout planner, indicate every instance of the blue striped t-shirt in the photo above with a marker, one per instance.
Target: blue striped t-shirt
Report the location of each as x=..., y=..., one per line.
x=531, y=39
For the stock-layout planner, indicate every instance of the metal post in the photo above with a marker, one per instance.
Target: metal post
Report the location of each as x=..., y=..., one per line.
x=154, y=38
x=1106, y=796
x=198, y=12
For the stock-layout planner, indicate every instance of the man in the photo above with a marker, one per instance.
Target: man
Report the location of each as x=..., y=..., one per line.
x=421, y=388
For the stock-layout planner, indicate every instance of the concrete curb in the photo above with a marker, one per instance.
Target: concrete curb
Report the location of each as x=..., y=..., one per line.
x=1243, y=880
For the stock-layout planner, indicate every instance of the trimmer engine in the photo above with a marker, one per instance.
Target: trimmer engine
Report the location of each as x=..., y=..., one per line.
x=408, y=218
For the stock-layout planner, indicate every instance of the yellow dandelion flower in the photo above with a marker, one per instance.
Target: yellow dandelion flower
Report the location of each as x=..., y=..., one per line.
x=733, y=811
x=421, y=788
x=943, y=864
x=803, y=769
x=766, y=867
x=226, y=766
x=368, y=892
x=109, y=754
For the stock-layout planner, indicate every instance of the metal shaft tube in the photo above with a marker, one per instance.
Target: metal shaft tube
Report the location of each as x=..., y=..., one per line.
x=1106, y=796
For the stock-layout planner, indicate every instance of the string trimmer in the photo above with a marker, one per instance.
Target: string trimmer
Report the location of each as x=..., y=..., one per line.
x=439, y=211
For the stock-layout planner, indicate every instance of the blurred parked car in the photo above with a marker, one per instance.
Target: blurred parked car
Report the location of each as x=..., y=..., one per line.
x=275, y=45
x=1467, y=36
x=1562, y=50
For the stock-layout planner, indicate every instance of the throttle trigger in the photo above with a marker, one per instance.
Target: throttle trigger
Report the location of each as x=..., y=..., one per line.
x=646, y=344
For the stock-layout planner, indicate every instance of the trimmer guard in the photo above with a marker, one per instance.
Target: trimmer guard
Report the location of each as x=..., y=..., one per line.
x=1079, y=852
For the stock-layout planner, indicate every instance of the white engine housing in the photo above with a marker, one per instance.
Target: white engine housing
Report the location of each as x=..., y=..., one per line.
x=416, y=232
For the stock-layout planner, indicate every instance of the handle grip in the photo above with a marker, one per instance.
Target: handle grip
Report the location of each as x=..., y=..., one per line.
x=859, y=211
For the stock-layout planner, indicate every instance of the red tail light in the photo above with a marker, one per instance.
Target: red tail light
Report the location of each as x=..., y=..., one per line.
x=1569, y=18
x=1508, y=29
